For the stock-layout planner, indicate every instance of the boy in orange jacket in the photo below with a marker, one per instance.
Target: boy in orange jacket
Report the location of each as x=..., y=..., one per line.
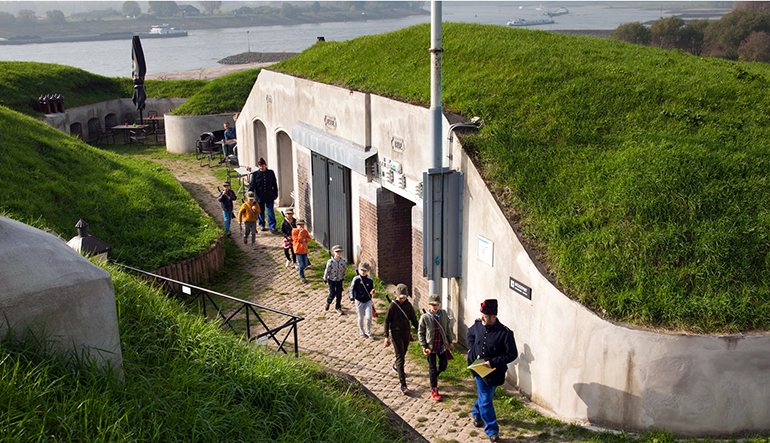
x=300, y=237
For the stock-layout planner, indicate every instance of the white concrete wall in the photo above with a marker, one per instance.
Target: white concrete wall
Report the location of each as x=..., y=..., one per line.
x=119, y=107
x=183, y=131
x=54, y=291
x=571, y=361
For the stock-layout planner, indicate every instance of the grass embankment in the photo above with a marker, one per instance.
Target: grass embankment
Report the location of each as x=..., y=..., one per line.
x=22, y=83
x=185, y=380
x=223, y=94
x=641, y=177
x=52, y=180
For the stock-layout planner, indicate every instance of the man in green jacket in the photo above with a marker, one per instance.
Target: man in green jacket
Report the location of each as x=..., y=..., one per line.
x=436, y=339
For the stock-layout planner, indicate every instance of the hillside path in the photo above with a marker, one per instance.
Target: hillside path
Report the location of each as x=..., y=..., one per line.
x=332, y=340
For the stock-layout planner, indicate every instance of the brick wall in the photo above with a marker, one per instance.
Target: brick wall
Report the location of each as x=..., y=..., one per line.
x=303, y=192
x=386, y=236
x=419, y=286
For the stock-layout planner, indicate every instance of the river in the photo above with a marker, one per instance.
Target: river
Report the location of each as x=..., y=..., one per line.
x=204, y=48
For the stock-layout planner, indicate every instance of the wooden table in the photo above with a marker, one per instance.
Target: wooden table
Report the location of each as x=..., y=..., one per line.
x=126, y=128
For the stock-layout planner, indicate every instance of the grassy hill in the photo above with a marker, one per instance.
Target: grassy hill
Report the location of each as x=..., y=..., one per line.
x=224, y=94
x=185, y=380
x=640, y=177
x=22, y=83
x=52, y=180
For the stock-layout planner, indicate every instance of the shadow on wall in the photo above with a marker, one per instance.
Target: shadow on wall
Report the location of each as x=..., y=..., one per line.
x=610, y=406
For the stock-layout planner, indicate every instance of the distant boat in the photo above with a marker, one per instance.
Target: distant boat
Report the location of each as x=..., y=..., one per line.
x=167, y=31
x=523, y=22
x=561, y=11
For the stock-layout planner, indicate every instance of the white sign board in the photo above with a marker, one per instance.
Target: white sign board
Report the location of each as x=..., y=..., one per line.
x=486, y=251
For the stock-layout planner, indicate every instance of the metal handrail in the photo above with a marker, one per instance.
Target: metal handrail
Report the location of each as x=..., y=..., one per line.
x=247, y=307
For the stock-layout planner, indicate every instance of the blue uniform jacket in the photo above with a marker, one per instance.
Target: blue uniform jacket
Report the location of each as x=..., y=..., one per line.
x=494, y=344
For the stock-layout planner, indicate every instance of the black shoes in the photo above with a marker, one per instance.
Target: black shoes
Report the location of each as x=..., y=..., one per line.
x=494, y=437
x=404, y=390
x=394, y=369
x=478, y=422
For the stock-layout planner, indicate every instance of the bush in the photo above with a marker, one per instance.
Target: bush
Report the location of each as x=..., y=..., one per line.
x=635, y=33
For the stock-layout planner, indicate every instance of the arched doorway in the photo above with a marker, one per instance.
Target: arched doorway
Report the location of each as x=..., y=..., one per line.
x=260, y=142
x=285, y=168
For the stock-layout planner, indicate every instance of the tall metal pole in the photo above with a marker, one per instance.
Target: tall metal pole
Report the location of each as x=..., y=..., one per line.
x=436, y=120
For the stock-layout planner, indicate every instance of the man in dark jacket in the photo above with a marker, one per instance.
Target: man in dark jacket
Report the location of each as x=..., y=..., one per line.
x=489, y=340
x=400, y=314
x=265, y=186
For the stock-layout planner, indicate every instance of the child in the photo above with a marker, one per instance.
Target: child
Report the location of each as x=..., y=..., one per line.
x=361, y=291
x=248, y=214
x=334, y=275
x=436, y=339
x=226, y=199
x=300, y=237
x=287, y=227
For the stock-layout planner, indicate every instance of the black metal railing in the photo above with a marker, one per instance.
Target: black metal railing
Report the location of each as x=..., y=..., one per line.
x=241, y=310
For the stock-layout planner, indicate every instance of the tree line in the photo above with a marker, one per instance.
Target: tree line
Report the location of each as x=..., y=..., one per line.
x=743, y=34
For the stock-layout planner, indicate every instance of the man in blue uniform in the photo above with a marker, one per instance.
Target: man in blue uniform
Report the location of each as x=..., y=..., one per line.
x=489, y=340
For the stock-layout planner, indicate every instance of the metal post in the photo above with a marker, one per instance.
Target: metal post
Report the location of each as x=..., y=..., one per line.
x=296, y=341
x=431, y=223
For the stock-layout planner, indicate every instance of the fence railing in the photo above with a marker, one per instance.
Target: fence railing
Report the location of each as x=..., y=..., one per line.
x=239, y=311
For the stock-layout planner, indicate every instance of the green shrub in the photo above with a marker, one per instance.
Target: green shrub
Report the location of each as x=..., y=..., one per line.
x=52, y=180
x=640, y=176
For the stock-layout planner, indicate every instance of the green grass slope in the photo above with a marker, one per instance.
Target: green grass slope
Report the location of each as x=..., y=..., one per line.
x=51, y=180
x=224, y=94
x=641, y=177
x=185, y=380
x=22, y=83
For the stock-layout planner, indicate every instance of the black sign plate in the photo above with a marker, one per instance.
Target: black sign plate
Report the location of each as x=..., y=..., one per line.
x=520, y=288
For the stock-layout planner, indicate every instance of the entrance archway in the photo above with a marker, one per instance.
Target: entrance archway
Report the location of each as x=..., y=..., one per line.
x=285, y=168
x=260, y=142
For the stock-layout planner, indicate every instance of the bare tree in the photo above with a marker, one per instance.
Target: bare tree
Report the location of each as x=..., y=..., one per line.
x=211, y=8
x=756, y=48
x=752, y=6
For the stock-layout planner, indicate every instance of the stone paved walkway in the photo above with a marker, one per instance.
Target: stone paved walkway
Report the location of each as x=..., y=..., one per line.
x=332, y=340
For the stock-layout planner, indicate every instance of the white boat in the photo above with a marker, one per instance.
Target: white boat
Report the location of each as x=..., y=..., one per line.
x=561, y=11
x=165, y=29
x=523, y=22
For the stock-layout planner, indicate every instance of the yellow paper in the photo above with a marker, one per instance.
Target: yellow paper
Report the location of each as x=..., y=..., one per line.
x=480, y=367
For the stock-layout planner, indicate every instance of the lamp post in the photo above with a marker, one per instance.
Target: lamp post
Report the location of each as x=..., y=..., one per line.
x=248, y=41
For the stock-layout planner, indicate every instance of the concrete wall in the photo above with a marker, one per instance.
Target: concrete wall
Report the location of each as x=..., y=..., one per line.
x=53, y=290
x=183, y=131
x=118, y=107
x=571, y=361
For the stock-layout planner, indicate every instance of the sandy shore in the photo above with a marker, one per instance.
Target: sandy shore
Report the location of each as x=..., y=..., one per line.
x=205, y=74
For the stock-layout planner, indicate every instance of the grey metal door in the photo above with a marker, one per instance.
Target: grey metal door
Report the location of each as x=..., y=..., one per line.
x=331, y=204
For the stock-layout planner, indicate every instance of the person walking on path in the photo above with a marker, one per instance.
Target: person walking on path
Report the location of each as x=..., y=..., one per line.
x=361, y=292
x=436, y=339
x=489, y=340
x=265, y=186
x=248, y=215
x=226, y=198
x=334, y=275
x=400, y=314
x=300, y=238
x=287, y=226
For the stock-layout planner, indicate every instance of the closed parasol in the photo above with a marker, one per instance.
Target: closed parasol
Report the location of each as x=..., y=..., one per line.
x=139, y=69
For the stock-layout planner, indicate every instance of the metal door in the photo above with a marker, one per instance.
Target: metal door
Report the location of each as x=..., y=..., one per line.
x=331, y=204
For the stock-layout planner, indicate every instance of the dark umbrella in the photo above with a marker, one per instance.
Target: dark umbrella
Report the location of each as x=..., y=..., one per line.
x=139, y=68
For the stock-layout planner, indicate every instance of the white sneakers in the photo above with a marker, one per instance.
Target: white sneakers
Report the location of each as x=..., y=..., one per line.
x=288, y=263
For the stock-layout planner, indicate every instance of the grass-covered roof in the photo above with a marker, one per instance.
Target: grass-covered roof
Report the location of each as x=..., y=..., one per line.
x=22, y=83
x=641, y=177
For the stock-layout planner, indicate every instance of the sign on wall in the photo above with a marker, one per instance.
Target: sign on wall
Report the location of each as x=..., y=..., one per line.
x=486, y=251
x=520, y=288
